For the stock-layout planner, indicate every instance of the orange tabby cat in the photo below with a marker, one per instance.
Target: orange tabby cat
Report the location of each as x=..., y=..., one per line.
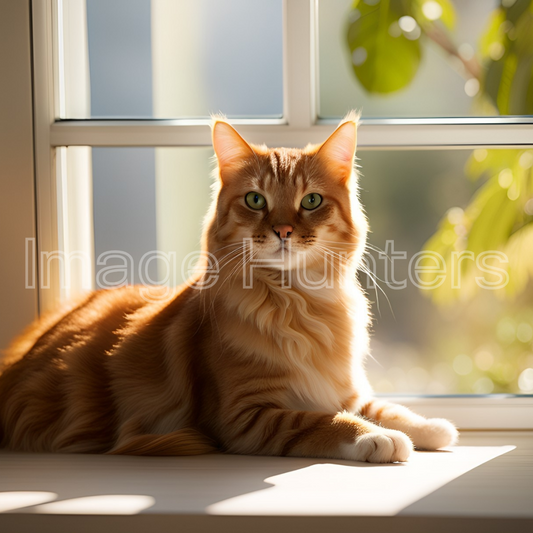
x=255, y=363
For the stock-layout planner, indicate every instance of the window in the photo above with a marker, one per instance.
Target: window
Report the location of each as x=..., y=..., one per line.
x=429, y=337
x=442, y=67
x=125, y=58
x=121, y=127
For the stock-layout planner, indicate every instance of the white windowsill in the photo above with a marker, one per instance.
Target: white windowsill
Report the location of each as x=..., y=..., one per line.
x=479, y=412
x=484, y=484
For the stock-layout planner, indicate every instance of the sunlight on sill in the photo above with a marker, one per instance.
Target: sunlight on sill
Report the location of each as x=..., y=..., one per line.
x=108, y=504
x=359, y=488
x=223, y=485
x=10, y=501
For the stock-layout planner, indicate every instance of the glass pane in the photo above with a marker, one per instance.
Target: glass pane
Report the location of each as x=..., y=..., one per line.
x=135, y=214
x=456, y=319
x=425, y=58
x=472, y=216
x=171, y=58
x=148, y=206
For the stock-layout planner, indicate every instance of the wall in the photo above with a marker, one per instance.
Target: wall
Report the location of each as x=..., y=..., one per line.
x=18, y=305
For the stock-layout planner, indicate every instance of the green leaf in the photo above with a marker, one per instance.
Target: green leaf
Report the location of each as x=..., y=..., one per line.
x=503, y=100
x=495, y=219
x=489, y=163
x=382, y=62
x=447, y=16
x=517, y=9
x=493, y=32
x=519, y=250
x=507, y=50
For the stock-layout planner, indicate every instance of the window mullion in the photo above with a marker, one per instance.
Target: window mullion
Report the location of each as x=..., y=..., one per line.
x=373, y=134
x=298, y=63
x=44, y=109
x=376, y=135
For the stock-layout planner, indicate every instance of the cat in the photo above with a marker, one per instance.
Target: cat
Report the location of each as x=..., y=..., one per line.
x=254, y=363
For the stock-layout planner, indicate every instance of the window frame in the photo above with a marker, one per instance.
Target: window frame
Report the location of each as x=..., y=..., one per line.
x=300, y=124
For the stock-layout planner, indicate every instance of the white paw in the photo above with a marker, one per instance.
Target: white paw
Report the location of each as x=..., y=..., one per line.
x=383, y=446
x=434, y=433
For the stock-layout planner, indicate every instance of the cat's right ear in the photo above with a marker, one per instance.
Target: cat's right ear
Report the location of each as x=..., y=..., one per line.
x=230, y=148
x=338, y=151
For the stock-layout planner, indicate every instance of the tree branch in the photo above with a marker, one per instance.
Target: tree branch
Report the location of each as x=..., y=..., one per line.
x=441, y=38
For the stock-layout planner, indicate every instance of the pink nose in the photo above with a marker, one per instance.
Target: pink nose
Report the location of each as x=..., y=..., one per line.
x=283, y=231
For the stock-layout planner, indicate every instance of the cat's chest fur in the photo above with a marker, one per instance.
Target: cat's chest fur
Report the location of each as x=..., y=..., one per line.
x=313, y=335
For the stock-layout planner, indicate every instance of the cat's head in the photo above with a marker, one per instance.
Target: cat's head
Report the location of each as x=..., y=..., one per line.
x=287, y=204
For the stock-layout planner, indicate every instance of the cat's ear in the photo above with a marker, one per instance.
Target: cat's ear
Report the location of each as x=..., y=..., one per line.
x=230, y=148
x=338, y=151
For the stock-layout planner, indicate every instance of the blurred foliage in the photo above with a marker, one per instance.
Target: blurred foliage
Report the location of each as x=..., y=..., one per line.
x=486, y=346
x=386, y=39
x=385, y=57
x=506, y=50
x=498, y=218
x=500, y=215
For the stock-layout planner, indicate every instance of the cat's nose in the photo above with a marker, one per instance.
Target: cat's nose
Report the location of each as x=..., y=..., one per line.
x=283, y=231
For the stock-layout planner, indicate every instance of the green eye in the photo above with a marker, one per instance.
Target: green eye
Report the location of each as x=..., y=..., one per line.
x=255, y=200
x=311, y=201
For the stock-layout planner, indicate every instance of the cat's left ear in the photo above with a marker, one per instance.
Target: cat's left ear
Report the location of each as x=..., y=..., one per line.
x=338, y=151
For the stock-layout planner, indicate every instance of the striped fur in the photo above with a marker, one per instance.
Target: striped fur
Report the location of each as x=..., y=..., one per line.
x=267, y=370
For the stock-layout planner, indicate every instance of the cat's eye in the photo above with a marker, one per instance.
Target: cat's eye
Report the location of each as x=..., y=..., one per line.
x=311, y=201
x=255, y=200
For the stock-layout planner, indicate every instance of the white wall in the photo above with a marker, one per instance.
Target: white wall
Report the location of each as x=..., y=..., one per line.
x=18, y=305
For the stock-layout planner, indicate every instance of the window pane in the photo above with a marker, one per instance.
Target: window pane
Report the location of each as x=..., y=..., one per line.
x=471, y=213
x=427, y=58
x=148, y=201
x=171, y=58
x=134, y=213
x=456, y=319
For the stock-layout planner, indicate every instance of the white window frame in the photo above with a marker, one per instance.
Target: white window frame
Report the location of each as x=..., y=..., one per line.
x=300, y=124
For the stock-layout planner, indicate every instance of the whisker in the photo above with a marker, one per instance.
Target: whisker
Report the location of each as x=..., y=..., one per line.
x=227, y=246
x=344, y=257
x=378, y=286
x=377, y=249
x=235, y=252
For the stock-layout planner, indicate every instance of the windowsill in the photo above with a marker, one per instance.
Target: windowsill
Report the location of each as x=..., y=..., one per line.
x=473, y=411
x=485, y=482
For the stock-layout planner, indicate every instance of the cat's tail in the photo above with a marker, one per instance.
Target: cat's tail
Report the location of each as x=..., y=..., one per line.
x=185, y=441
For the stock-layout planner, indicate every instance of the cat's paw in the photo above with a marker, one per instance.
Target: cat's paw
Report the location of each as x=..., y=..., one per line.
x=434, y=433
x=383, y=446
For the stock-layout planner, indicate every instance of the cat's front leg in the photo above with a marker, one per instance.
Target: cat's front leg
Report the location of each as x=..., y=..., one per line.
x=426, y=433
x=262, y=430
